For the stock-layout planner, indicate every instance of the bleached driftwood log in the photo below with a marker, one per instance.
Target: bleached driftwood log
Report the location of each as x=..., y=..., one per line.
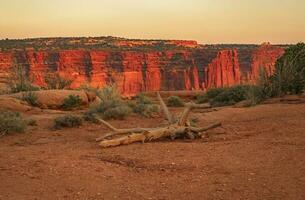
x=174, y=129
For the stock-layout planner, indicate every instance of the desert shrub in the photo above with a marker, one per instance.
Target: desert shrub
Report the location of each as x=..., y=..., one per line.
x=261, y=90
x=30, y=97
x=144, y=106
x=203, y=98
x=111, y=107
x=109, y=94
x=214, y=92
x=174, y=101
x=289, y=76
x=55, y=81
x=11, y=122
x=67, y=121
x=210, y=94
x=19, y=81
x=91, y=115
x=116, y=112
x=224, y=96
x=230, y=96
x=72, y=101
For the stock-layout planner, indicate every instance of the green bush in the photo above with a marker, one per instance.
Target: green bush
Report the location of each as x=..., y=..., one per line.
x=144, y=106
x=210, y=94
x=91, y=115
x=214, y=92
x=67, y=121
x=72, y=101
x=116, y=112
x=262, y=90
x=289, y=76
x=109, y=94
x=111, y=107
x=230, y=96
x=11, y=122
x=225, y=96
x=202, y=98
x=174, y=101
x=30, y=97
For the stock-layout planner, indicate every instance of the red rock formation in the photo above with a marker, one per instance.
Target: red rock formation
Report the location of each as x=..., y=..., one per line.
x=38, y=66
x=6, y=61
x=264, y=57
x=152, y=72
x=74, y=65
x=137, y=71
x=223, y=71
x=132, y=72
x=99, y=75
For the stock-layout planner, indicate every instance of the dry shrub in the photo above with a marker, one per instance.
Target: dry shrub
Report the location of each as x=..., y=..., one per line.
x=67, y=121
x=11, y=122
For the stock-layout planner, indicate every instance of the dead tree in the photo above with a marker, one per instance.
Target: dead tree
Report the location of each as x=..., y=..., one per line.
x=175, y=128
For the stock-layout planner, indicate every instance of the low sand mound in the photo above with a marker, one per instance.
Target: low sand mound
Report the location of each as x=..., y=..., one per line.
x=10, y=103
x=53, y=99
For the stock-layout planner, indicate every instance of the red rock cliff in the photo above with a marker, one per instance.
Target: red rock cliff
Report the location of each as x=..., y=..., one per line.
x=264, y=57
x=137, y=71
x=223, y=71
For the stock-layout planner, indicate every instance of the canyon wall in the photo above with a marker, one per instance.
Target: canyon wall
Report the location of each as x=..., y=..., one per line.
x=224, y=70
x=265, y=58
x=136, y=71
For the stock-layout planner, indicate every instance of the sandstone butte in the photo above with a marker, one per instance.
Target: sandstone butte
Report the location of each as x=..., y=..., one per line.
x=135, y=71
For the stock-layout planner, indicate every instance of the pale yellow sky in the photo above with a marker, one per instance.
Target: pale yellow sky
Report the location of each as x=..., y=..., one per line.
x=207, y=21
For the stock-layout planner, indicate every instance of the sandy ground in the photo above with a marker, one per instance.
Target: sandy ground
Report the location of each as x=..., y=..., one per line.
x=259, y=154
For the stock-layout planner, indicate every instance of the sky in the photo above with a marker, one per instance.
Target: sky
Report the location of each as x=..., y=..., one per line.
x=207, y=21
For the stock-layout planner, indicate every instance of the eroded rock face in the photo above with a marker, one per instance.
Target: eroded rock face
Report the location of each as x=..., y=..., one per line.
x=136, y=71
x=6, y=60
x=224, y=70
x=264, y=57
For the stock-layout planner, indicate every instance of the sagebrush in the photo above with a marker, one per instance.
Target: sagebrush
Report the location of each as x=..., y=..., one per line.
x=174, y=101
x=30, y=97
x=11, y=122
x=144, y=106
x=71, y=102
x=111, y=107
x=224, y=96
x=67, y=121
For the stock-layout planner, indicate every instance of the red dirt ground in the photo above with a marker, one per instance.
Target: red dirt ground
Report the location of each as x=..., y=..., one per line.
x=261, y=155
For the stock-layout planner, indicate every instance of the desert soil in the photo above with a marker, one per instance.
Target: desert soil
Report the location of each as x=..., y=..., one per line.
x=258, y=154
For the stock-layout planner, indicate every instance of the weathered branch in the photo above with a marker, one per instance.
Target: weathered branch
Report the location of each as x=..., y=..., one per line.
x=166, y=112
x=144, y=137
x=188, y=108
x=122, y=132
x=202, y=129
x=119, y=131
x=172, y=130
x=107, y=124
x=180, y=129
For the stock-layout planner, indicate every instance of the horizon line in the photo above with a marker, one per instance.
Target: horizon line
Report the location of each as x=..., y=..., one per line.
x=148, y=39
